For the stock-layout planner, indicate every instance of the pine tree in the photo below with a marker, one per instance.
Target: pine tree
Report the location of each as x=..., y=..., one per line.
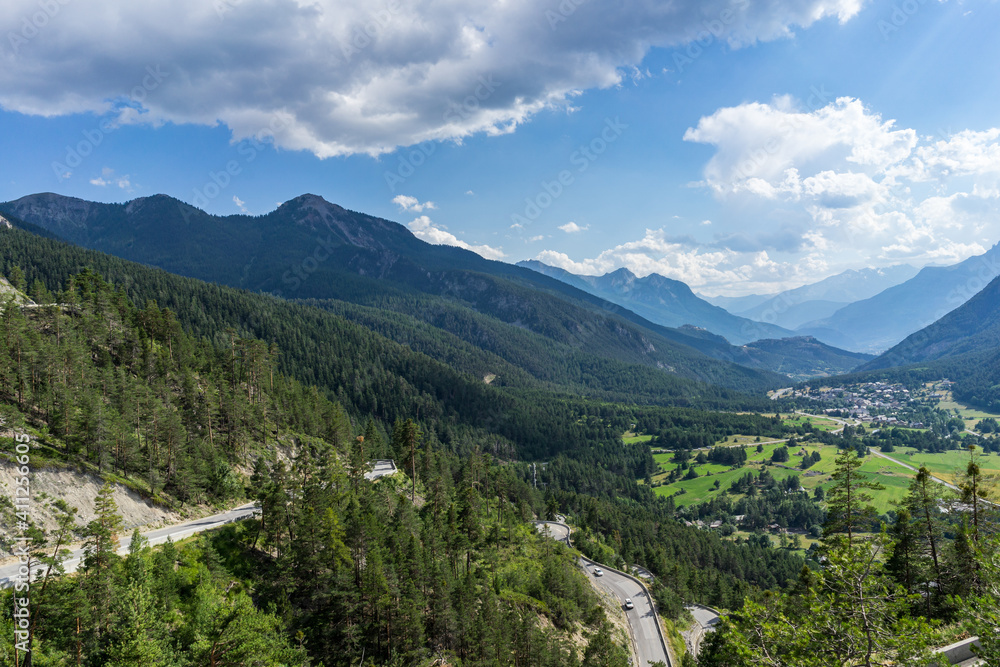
x=231, y=631
x=922, y=502
x=853, y=615
x=983, y=608
x=101, y=558
x=848, y=508
x=55, y=555
x=15, y=276
x=972, y=490
x=903, y=557
x=602, y=651
x=134, y=638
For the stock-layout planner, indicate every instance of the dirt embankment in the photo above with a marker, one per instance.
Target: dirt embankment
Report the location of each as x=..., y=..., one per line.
x=78, y=490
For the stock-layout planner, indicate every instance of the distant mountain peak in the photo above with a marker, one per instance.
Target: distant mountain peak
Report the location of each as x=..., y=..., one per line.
x=665, y=301
x=621, y=273
x=309, y=200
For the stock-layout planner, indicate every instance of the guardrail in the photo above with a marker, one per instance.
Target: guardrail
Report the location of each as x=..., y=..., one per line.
x=706, y=607
x=959, y=652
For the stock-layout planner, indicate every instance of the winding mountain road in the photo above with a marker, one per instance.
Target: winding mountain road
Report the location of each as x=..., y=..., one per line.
x=180, y=531
x=158, y=536
x=705, y=619
x=644, y=624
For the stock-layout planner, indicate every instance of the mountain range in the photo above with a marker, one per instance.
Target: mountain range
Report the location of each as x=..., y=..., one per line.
x=972, y=328
x=664, y=301
x=367, y=268
x=314, y=251
x=870, y=310
x=796, y=307
x=878, y=323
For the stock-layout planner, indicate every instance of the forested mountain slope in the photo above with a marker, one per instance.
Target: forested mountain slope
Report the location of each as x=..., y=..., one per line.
x=801, y=357
x=963, y=346
x=336, y=567
x=309, y=248
x=372, y=375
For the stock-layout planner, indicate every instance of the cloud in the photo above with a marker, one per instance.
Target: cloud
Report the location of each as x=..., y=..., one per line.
x=407, y=203
x=425, y=230
x=108, y=177
x=763, y=148
x=240, y=204
x=573, y=228
x=337, y=77
x=854, y=182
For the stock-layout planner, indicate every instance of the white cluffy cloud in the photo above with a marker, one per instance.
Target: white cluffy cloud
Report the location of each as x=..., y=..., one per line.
x=573, y=228
x=860, y=183
x=337, y=77
x=425, y=230
x=709, y=269
x=407, y=203
x=240, y=204
x=108, y=177
x=851, y=188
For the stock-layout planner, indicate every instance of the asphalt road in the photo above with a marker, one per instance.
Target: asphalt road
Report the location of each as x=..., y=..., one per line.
x=557, y=531
x=158, y=536
x=181, y=531
x=643, y=622
x=705, y=621
x=381, y=468
x=706, y=617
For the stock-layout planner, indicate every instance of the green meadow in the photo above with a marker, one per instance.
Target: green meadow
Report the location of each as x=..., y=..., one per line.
x=950, y=465
x=970, y=415
x=895, y=478
x=819, y=423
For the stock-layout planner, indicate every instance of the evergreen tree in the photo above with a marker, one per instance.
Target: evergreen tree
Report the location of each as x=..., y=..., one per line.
x=848, y=500
x=922, y=503
x=101, y=559
x=983, y=607
x=134, y=638
x=902, y=563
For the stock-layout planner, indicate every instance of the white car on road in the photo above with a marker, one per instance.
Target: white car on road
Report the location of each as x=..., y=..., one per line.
x=598, y=572
x=628, y=603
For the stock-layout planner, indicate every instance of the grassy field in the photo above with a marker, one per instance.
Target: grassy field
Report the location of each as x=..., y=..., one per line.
x=631, y=438
x=895, y=479
x=819, y=423
x=950, y=465
x=970, y=415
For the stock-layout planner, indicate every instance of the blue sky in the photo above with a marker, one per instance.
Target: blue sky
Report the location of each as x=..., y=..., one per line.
x=736, y=145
